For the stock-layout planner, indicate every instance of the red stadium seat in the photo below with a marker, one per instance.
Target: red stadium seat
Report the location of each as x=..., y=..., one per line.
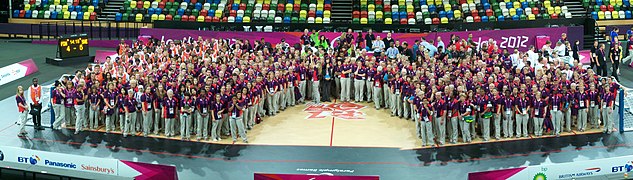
x=477, y=18
x=535, y=10
x=139, y=4
x=281, y=7
x=355, y=14
x=266, y=7
x=93, y=16
x=610, y=7
x=387, y=8
x=22, y=12
x=403, y=21
x=296, y=7
x=378, y=2
x=328, y=7
x=169, y=17
x=204, y=12
x=436, y=21
x=242, y=6
x=184, y=18
x=554, y=16
x=312, y=13
x=225, y=19
x=474, y=13
x=363, y=14
x=75, y=2
x=489, y=12
x=161, y=5
x=208, y=19
x=603, y=8
x=192, y=18
x=193, y=2
x=216, y=19
x=233, y=13
x=410, y=15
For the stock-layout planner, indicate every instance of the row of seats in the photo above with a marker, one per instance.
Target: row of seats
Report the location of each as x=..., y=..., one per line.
x=35, y=14
x=230, y=19
x=59, y=9
x=609, y=9
x=446, y=20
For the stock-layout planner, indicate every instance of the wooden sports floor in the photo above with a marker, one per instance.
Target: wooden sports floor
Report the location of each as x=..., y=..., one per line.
x=342, y=125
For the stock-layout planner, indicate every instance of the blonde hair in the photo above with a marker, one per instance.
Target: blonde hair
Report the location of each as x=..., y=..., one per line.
x=17, y=92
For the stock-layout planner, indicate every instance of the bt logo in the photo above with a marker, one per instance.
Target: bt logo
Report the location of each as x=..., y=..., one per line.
x=29, y=160
x=626, y=168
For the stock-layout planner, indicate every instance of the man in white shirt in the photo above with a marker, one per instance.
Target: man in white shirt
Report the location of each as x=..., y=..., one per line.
x=378, y=46
x=560, y=49
x=515, y=58
x=532, y=55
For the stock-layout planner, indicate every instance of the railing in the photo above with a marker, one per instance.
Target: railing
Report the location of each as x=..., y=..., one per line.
x=96, y=30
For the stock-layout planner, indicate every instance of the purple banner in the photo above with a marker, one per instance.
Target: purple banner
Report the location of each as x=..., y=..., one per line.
x=100, y=55
x=521, y=39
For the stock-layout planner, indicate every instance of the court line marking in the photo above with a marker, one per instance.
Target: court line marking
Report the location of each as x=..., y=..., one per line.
x=332, y=131
x=7, y=127
x=331, y=162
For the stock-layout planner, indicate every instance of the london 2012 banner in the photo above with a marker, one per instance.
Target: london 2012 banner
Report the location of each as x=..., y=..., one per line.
x=520, y=39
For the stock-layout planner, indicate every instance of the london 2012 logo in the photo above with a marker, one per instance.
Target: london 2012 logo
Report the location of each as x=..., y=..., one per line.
x=345, y=110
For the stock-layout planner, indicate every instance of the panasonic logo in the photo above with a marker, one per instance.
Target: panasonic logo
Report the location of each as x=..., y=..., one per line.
x=60, y=164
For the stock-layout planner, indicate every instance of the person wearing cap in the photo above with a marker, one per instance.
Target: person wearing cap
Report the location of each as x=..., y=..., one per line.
x=521, y=105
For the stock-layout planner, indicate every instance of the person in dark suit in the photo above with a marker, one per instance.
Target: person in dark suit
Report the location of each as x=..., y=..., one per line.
x=615, y=54
x=327, y=70
x=575, y=48
x=593, y=51
x=601, y=61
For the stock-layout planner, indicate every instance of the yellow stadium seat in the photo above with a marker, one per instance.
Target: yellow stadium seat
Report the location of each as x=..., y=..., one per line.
x=363, y=20
x=66, y=15
x=370, y=7
x=161, y=17
x=444, y=20
x=132, y=4
x=303, y=14
x=246, y=19
x=447, y=7
x=557, y=10
x=327, y=14
x=139, y=17
x=531, y=17
x=64, y=8
x=319, y=20
x=154, y=17
x=547, y=4
x=86, y=16
x=56, y=2
x=457, y=14
x=199, y=19
x=600, y=15
x=513, y=12
x=91, y=9
x=378, y=14
x=409, y=8
x=147, y=4
x=388, y=21
x=550, y=10
x=28, y=7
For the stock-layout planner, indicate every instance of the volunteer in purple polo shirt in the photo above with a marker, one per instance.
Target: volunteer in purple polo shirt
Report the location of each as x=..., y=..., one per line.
x=170, y=105
x=130, y=113
x=217, y=107
x=538, y=113
x=58, y=105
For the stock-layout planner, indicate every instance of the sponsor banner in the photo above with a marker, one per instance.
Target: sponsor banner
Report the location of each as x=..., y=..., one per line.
x=521, y=39
x=260, y=176
x=17, y=70
x=88, y=164
x=100, y=56
x=600, y=168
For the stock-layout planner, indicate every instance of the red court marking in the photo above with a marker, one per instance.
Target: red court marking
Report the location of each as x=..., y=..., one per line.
x=572, y=131
x=327, y=162
x=332, y=132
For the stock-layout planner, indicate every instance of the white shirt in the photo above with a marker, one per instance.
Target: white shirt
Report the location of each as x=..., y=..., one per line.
x=532, y=56
x=515, y=59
